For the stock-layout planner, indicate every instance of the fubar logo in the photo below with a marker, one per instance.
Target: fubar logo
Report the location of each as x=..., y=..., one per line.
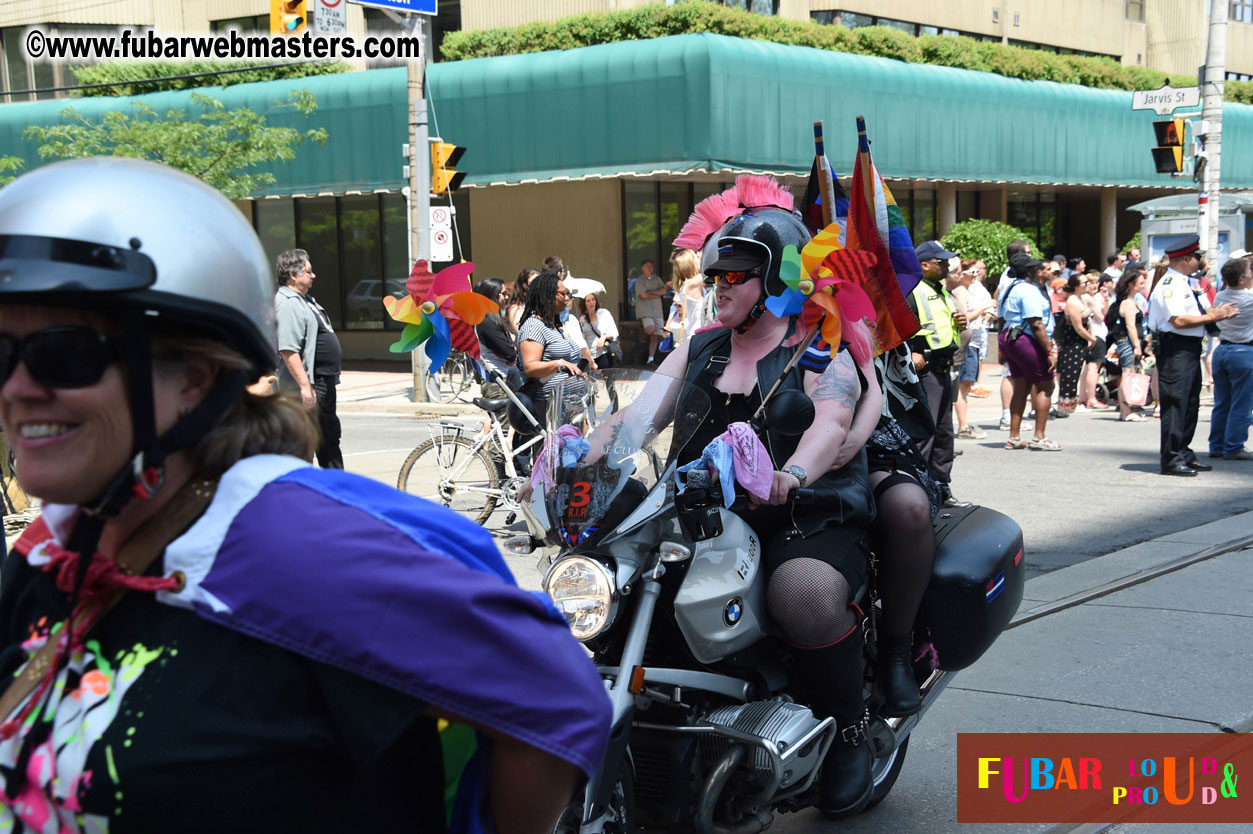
x=1103, y=777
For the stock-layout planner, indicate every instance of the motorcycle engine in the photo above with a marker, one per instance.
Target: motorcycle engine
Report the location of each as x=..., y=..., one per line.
x=781, y=724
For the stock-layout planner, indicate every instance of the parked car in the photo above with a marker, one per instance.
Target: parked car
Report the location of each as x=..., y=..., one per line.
x=365, y=302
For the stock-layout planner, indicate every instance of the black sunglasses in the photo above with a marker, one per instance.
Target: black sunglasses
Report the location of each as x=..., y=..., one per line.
x=59, y=357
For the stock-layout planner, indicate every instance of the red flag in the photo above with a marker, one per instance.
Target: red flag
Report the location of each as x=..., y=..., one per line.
x=894, y=321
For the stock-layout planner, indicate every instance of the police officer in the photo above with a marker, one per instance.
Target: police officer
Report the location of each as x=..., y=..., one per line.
x=1178, y=318
x=934, y=348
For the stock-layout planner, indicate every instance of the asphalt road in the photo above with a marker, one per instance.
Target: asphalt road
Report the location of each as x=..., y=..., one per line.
x=1099, y=494
x=1164, y=656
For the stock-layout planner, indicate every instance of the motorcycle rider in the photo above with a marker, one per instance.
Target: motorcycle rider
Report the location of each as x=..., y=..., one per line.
x=816, y=568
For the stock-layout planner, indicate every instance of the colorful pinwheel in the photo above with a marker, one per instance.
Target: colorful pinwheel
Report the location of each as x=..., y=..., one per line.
x=433, y=303
x=822, y=281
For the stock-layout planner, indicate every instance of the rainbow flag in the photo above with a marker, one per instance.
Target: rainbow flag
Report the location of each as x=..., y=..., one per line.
x=876, y=224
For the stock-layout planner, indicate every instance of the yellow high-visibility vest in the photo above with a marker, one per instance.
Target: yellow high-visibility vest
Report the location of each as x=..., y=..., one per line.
x=935, y=308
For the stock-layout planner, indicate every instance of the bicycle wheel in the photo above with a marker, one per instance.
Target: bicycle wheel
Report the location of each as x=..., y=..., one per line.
x=452, y=472
x=460, y=377
x=452, y=381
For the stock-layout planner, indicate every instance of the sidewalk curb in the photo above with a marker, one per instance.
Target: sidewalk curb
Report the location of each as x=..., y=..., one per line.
x=408, y=409
x=1126, y=565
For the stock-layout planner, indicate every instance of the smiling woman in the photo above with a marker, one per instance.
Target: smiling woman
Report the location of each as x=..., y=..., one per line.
x=162, y=613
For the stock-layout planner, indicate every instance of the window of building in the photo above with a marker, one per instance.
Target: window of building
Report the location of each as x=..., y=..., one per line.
x=855, y=21
x=1036, y=214
x=248, y=25
x=924, y=213
x=1135, y=10
x=653, y=213
x=447, y=19
x=17, y=74
x=764, y=7
x=1241, y=11
x=359, y=247
x=900, y=25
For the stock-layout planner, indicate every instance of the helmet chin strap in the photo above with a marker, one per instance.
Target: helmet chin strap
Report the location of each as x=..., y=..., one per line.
x=144, y=475
x=758, y=310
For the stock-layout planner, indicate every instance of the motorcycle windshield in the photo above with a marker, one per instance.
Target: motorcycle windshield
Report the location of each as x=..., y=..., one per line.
x=609, y=446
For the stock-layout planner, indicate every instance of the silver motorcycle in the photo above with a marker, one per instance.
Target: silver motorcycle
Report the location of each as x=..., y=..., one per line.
x=708, y=733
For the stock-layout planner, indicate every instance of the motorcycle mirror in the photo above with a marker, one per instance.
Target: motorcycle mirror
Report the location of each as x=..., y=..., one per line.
x=790, y=412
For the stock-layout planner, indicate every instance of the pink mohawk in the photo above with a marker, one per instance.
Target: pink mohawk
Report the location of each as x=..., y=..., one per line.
x=749, y=191
x=754, y=191
x=708, y=218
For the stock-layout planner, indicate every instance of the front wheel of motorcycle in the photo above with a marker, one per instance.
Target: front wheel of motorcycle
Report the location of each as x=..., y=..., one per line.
x=885, y=771
x=619, y=815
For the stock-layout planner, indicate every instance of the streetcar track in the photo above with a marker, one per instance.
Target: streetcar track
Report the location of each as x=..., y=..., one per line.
x=1108, y=588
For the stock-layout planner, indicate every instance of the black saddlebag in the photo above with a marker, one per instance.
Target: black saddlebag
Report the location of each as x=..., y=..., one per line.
x=976, y=585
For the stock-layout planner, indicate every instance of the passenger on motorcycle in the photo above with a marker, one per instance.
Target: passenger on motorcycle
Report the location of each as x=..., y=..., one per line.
x=202, y=633
x=817, y=567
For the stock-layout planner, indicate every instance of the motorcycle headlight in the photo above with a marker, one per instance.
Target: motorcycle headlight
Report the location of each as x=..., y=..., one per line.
x=585, y=594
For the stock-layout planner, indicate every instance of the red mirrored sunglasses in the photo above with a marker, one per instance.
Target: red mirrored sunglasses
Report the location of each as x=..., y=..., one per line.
x=733, y=278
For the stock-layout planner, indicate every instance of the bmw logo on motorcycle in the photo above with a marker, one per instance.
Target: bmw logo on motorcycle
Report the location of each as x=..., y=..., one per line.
x=732, y=613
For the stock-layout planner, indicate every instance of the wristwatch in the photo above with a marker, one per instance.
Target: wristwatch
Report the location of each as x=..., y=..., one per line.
x=797, y=473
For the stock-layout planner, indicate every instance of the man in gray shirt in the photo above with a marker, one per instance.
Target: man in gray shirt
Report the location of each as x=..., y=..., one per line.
x=649, y=289
x=309, y=349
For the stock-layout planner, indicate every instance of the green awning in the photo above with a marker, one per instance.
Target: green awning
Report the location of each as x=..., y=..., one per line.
x=699, y=104
x=711, y=103
x=1229, y=202
x=364, y=114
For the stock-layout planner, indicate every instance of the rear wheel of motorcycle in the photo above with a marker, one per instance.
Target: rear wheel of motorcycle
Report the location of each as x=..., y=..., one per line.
x=885, y=771
x=619, y=816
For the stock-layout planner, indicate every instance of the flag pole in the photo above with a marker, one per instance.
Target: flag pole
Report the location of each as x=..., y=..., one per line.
x=824, y=178
x=863, y=146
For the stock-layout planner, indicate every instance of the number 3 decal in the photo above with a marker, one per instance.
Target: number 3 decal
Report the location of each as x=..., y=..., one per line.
x=580, y=494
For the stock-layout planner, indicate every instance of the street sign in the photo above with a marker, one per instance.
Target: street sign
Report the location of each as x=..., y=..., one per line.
x=417, y=6
x=330, y=17
x=441, y=217
x=441, y=245
x=1166, y=100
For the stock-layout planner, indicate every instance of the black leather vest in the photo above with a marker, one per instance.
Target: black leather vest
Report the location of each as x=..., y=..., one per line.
x=842, y=496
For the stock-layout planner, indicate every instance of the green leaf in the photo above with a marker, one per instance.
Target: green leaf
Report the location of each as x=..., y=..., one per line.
x=220, y=146
x=985, y=240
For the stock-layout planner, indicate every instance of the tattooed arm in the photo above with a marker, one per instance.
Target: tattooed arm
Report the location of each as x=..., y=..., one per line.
x=835, y=393
x=865, y=418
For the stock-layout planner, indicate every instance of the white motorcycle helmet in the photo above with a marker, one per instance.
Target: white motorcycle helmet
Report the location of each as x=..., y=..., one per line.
x=151, y=247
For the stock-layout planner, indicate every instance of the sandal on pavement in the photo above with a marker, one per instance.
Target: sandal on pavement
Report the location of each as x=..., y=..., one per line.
x=1133, y=418
x=971, y=433
x=1043, y=444
x=1015, y=443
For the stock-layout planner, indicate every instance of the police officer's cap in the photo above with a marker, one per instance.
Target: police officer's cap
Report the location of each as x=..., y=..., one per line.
x=1184, y=247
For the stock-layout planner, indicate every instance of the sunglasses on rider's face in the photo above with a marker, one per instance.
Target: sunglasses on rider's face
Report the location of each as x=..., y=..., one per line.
x=59, y=357
x=733, y=278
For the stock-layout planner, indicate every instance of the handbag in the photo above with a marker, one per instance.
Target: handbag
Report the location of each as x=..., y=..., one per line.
x=615, y=349
x=1134, y=388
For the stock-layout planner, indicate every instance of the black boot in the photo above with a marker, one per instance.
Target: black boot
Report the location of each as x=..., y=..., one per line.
x=896, y=675
x=833, y=676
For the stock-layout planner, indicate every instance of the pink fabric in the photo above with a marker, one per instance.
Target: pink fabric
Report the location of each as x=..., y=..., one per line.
x=753, y=468
x=539, y=472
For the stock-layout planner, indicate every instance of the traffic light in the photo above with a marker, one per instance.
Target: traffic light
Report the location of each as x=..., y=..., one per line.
x=1168, y=155
x=444, y=178
x=287, y=17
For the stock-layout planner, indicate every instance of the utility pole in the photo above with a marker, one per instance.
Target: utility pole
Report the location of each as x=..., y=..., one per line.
x=1212, y=132
x=419, y=194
